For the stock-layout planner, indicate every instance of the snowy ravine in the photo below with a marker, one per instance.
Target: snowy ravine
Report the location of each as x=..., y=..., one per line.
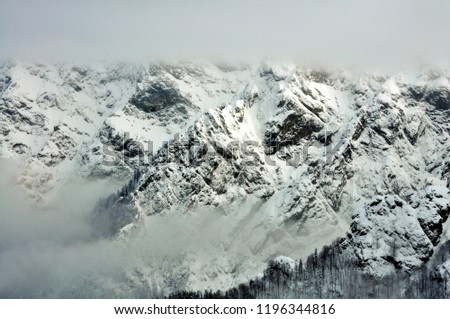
x=273, y=160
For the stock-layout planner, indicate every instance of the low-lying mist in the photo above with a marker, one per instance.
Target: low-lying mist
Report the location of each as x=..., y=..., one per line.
x=54, y=252
x=46, y=251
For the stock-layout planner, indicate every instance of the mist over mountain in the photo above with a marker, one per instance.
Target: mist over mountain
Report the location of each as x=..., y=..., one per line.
x=244, y=149
x=365, y=34
x=151, y=179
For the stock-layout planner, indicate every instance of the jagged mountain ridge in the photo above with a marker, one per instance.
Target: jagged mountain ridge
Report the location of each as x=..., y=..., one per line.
x=62, y=119
x=292, y=158
x=387, y=144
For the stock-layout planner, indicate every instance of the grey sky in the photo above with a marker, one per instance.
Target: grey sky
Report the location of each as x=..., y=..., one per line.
x=353, y=31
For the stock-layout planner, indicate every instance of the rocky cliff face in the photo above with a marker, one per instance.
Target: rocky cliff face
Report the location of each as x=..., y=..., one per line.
x=389, y=233
x=290, y=158
x=63, y=119
x=365, y=155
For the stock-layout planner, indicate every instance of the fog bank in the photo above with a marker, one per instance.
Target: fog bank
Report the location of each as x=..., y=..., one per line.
x=350, y=32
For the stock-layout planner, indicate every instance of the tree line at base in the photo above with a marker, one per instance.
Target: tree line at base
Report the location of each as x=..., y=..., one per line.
x=333, y=273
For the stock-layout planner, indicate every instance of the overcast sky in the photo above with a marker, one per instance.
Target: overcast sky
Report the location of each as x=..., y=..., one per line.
x=353, y=31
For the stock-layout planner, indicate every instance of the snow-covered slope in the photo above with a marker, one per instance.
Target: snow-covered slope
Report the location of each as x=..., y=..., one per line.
x=275, y=161
x=312, y=149
x=390, y=233
x=47, y=113
x=61, y=120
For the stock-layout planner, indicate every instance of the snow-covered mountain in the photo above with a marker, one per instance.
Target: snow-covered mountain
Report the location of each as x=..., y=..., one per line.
x=62, y=119
x=273, y=160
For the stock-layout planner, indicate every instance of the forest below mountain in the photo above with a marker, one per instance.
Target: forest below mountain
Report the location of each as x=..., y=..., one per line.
x=333, y=273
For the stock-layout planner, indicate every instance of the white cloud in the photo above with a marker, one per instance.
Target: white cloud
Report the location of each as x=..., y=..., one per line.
x=358, y=32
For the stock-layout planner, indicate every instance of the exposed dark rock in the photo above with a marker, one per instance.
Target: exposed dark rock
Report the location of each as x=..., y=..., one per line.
x=20, y=148
x=157, y=97
x=416, y=92
x=439, y=98
x=295, y=127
